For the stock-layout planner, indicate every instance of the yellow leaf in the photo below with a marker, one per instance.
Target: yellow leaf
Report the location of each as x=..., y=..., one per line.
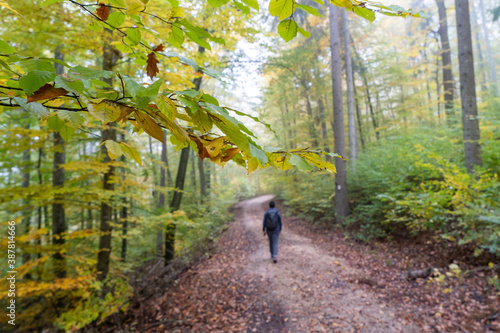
x=149, y=125
x=131, y=152
x=114, y=149
x=103, y=111
x=134, y=7
x=6, y=5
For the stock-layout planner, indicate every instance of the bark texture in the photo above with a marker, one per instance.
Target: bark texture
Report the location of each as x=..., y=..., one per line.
x=351, y=121
x=448, y=81
x=58, y=214
x=341, y=199
x=470, y=121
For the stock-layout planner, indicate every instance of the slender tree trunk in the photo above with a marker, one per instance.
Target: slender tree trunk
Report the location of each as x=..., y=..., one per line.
x=58, y=214
x=290, y=132
x=39, y=215
x=161, y=196
x=341, y=198
x=470, y=121
x=491, y=62
x=312, y=130
x=351, y=121
x=478, y=42
x=358, y=116
x=108, y=133
x=176, y=204
x=448, y=81
x=25, y=183
x=322, y=116
x=123, y=212
x=159, y=233
x=179, y=186
x=193, y=173
x=203, y=185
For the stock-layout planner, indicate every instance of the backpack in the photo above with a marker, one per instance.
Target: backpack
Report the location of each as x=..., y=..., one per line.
x=272, y=220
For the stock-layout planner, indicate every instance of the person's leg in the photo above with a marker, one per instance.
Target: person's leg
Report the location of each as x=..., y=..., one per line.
x=274, y=250
x=270, y=237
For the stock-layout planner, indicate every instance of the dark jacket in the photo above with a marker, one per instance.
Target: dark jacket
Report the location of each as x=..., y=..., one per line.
x=279, y=219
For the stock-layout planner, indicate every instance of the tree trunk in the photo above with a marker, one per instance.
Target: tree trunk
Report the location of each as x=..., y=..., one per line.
x=351, y=121
x=25, y=183
x=322, y=116
x=478, y=42
x=179, y=186
x=39, y=215
x=341, y=199
x=203, y=185
x=161, y=196
x=123, y=212
x=470, y=121
x=493, y=73
x=448, y=81
x=108, y=133
x=176, y=204
x=358, y=116
x=193, y=174
x=58, y=213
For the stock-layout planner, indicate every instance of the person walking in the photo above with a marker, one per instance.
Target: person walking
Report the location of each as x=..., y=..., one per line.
x=272, y=226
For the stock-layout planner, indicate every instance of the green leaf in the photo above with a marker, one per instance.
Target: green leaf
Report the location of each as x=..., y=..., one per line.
x=281, y=8
x=259, y=154
x=33, y=107
x=75, y=119
x=80, y=72
x=35, y=80
x=103, y=111
x=287, y=29
x=210, y=99
x=303, y=32
x=6, y=48
x=66, y=132
x=300, y=163
x=114, y=149
x=124, y=48
x=365, y=13
x=37, y=65
x=176, y=37
x=198, y=40
x=309, y=9
x=55, y=123
x=116, y=19
x=182, y=59
x=50, y=2
x=145, y=95
x=189, y=103
x=166, y=106
x=134, y=35
x=99, y=83
x=252, y=3
x=75, y=86
x=217, y=3
x=131, y=152
x=118, y=3
x=242, y=7
x=174, y=3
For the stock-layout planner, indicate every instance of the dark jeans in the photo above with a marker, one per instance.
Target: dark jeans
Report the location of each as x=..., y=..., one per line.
x=273, y=242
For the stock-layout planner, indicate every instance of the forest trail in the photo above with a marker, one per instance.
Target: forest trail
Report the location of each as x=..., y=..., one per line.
x=238, y=288
x=313, y=289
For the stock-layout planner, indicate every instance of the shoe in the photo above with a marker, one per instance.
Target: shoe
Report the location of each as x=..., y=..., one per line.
x=275, y=260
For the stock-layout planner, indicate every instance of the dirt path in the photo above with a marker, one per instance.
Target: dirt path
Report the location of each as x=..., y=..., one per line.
x=313, y=289
x=239, y=289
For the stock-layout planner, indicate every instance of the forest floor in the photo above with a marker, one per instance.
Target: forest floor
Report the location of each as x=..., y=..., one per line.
x=322, y=282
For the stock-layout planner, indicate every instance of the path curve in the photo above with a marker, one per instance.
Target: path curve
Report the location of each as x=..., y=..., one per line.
x=315, y=290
